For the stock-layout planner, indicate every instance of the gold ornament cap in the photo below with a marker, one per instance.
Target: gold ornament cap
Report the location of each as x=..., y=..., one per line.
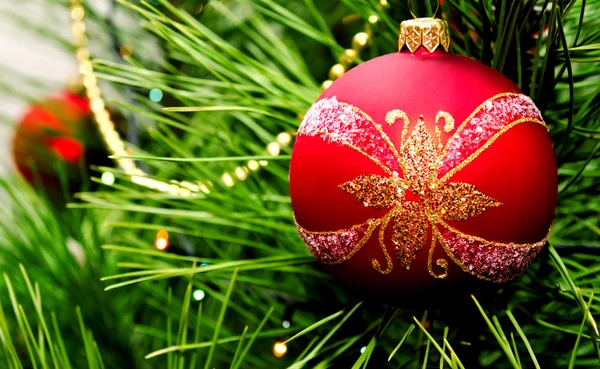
x=427, y=32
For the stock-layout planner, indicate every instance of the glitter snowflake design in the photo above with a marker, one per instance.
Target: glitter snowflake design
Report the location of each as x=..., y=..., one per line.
x=421, y=167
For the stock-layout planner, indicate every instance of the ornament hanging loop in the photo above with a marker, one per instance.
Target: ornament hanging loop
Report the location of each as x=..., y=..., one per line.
x=437, y=8
x=410, y=9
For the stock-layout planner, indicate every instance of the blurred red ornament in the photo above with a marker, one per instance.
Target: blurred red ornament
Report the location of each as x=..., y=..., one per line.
x=57, y=131
x=67, y=148
x=418, y=170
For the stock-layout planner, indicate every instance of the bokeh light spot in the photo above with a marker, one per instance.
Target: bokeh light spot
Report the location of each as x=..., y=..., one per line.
x=155, y=95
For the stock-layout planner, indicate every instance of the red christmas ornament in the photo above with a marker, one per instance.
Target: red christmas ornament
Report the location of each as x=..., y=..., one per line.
x=422, y=170
x=59, y=128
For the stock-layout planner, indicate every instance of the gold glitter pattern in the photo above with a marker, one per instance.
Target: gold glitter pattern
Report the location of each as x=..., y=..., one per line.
x=443, y=263
x=420, y=154
x=375, y=191
x=453, y=201
x=458, y=201
x=388, y=259
x=392, y=116
x=424, y=168
x=449, y=126
x=440, y=262
x=410, y=233
x=438, y=134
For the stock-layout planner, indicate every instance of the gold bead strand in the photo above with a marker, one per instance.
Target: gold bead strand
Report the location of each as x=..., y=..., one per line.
x=90, y=82
x=359, y=42
x=116, y=146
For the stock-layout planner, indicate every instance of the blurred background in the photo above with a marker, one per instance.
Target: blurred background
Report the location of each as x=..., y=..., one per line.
x=30, y=54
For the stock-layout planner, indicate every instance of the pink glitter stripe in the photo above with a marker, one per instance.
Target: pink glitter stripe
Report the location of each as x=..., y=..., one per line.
x=333, y=247
x=340, y=123
x=489, y=119
x=488, y=261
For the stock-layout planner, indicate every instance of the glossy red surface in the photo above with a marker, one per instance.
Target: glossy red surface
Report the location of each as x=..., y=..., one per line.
x=518, y=169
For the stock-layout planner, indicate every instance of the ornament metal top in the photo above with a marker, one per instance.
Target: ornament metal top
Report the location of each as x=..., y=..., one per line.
x=430, y=33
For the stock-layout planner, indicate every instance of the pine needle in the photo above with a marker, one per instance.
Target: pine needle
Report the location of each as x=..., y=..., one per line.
x=451, y=360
